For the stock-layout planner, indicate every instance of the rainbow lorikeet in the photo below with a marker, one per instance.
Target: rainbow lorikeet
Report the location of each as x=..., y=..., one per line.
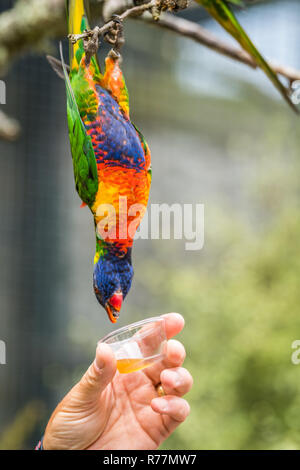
x=111, y=161
x=221, y=11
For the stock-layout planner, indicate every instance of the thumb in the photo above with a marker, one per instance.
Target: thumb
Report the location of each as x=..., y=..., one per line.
x=99, y=374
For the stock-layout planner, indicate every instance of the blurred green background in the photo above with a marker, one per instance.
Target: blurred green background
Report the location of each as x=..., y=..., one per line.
x=219, y=136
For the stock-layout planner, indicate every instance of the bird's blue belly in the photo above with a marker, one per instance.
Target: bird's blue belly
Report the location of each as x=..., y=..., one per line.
x=115, y=140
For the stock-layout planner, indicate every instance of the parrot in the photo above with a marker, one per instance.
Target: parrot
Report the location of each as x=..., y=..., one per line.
x=111, y=160
x=222, y=12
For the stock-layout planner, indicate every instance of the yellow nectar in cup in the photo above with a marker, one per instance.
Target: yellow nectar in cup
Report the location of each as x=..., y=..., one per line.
x=125, y=366
x=138, y=345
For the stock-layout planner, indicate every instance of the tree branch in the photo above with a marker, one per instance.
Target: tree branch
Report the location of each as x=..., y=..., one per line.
x=134, y=11
x=27, y=25
x=31, y=23
x=153, y=6
x=192, y=30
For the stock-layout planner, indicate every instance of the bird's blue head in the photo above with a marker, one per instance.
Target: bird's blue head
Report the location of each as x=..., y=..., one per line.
x=112, y=281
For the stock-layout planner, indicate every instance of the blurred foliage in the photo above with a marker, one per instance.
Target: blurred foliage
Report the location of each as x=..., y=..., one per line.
x=16, y=434
x=242, y=309
x=241, y=318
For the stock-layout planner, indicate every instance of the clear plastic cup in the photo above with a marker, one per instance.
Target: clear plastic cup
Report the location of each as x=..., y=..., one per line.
x=138, y=345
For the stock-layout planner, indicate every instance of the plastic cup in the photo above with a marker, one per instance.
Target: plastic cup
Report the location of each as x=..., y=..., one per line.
x=138, y=345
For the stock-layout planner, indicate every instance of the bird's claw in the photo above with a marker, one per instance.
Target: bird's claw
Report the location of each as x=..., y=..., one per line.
x=117, y=19
x=113, y=54
x=115, y=36
x=91, y=44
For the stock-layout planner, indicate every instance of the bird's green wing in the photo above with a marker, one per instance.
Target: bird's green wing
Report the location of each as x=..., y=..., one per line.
x=84, y=161
x=221, y=12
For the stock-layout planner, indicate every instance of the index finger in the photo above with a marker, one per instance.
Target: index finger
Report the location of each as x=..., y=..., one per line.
x=174, y=323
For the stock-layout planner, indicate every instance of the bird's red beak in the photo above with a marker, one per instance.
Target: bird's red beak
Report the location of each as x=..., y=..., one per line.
x=113, y=306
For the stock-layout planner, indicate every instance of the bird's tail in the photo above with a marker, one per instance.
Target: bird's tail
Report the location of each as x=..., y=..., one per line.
x=77, y=23
x=222, y=13
x=77, y=16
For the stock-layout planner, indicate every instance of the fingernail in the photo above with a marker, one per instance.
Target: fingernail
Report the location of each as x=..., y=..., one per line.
x=163, y=406
x=99, y=360
x=175, y=378
x=178, y=382
x=179, y=316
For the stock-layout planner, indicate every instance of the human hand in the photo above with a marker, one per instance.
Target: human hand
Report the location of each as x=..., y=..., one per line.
x=109, y=410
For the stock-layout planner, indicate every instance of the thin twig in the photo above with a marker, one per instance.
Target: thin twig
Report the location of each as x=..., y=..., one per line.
x=288, y=72
x=134, y=11
x=30, y=23
x=199, y=34
x=193, y=31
